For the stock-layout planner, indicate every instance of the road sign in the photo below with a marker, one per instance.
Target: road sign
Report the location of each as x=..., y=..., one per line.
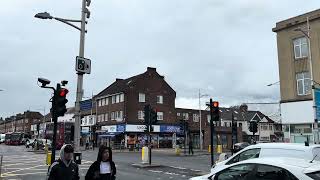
x=83, y=65
x=317, y=102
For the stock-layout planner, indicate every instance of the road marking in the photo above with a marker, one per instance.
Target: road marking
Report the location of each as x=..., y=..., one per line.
x=31, y=173
x=22, y=169
x=155, y=171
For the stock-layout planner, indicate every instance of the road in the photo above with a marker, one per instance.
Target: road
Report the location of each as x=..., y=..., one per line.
x=18, y=163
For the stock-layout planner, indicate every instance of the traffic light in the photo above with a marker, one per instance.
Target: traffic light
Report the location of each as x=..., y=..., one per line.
x=147, y=109
x=153, y=116
x=215, y=110
x=253, y=127
x=60, y=101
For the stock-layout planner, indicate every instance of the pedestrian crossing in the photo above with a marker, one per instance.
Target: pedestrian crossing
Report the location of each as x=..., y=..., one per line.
x=31, y=166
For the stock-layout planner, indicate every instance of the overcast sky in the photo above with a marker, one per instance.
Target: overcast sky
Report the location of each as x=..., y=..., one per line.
x=224, y=47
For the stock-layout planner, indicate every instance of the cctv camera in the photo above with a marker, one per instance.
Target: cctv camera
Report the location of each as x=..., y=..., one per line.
x=64, y=82
x=44, y=81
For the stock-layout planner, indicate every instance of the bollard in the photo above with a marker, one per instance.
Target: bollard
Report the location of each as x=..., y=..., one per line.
x=145, y=155
x=48, y=161
x=178, y=150
x=219, y=149
x=209, y=148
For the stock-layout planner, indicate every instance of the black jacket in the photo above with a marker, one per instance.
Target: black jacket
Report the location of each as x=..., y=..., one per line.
x=94, y=171
x=59, y=171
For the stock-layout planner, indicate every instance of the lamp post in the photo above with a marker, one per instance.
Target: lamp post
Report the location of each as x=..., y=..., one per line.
x=84, y=14
x=200, y=123
x=306, y=33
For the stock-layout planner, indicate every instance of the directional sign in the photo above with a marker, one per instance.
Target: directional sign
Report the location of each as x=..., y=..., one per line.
x=83, y=65
x=317, y=101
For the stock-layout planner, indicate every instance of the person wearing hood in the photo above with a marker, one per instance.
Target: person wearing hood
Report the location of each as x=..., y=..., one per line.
x=104, y=168
x=64, y=168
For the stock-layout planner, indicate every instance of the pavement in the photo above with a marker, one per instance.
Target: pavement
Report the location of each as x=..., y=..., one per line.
x=18, y=163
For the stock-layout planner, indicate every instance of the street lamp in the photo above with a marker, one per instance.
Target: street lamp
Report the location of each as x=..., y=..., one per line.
x=275, y=83
x=307, y=35
x=85, y=13
x=200, y=126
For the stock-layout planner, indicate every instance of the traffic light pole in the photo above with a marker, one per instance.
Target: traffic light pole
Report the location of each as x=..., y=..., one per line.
x=80, y=81
x=211, y=133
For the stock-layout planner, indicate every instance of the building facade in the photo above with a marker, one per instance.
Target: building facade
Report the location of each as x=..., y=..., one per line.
x=295, y=77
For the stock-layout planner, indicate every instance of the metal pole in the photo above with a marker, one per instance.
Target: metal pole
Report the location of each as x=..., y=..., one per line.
x=55, y=123
x=79, y=82
x=211, y=133
x=200, y=134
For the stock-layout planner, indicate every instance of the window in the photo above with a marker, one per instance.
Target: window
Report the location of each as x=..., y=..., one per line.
x=113, y=99
x=142, y=97
x=303, y=83
x=195, y=118
x=225, y=124
x=160, y=99
x=140, y=115
x=160, y=116
x=178, y=114
x=185, y=116
x=106, y=117
x=242, y=171
x=248, y=154
x=121, y=97
x=121, y=115
x=270, y=127
x=103, y=102
x=118, y=98
x=265, y=172
x=106, y=101
x=99, y=103
x=264, y=127
x=102, y=117
x=300, y=46
x=112, y=116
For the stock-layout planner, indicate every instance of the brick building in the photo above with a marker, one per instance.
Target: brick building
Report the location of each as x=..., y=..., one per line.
x=20, y=122
x=116, y=114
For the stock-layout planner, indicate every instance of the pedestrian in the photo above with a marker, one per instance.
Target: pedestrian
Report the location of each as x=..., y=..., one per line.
x=93, y=144
x=190, y=146
x=64, y=168
x=104, y=168
x=87, y=144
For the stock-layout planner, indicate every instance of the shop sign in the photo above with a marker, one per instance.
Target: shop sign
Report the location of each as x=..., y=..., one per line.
x=109, y=128
x=135, y=128
x=170, y=129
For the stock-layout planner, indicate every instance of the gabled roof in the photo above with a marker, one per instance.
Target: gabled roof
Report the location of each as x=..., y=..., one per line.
x=121, y=85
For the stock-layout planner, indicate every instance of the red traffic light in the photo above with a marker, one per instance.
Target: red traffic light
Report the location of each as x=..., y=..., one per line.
x=215, y=104
x=63, y=92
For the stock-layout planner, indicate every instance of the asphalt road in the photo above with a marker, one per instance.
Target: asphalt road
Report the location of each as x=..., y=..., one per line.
x=18, y=163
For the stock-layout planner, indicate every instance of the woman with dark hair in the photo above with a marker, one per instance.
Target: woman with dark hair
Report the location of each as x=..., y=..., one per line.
x=104, y=168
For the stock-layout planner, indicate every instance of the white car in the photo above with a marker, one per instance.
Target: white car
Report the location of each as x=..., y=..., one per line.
x=273, y=168
x=271, y=150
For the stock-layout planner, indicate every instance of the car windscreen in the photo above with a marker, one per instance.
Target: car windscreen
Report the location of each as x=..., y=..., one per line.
x=314, y=175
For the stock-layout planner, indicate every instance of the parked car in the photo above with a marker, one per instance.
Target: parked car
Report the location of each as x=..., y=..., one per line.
x=271, y=150
x=267, y=168
x=2, y=138
x=40, y=143
x=239, y=146
x=29, y=143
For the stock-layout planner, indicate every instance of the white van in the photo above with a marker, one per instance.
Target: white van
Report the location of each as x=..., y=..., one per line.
x=272, y=150
x=2, y=138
